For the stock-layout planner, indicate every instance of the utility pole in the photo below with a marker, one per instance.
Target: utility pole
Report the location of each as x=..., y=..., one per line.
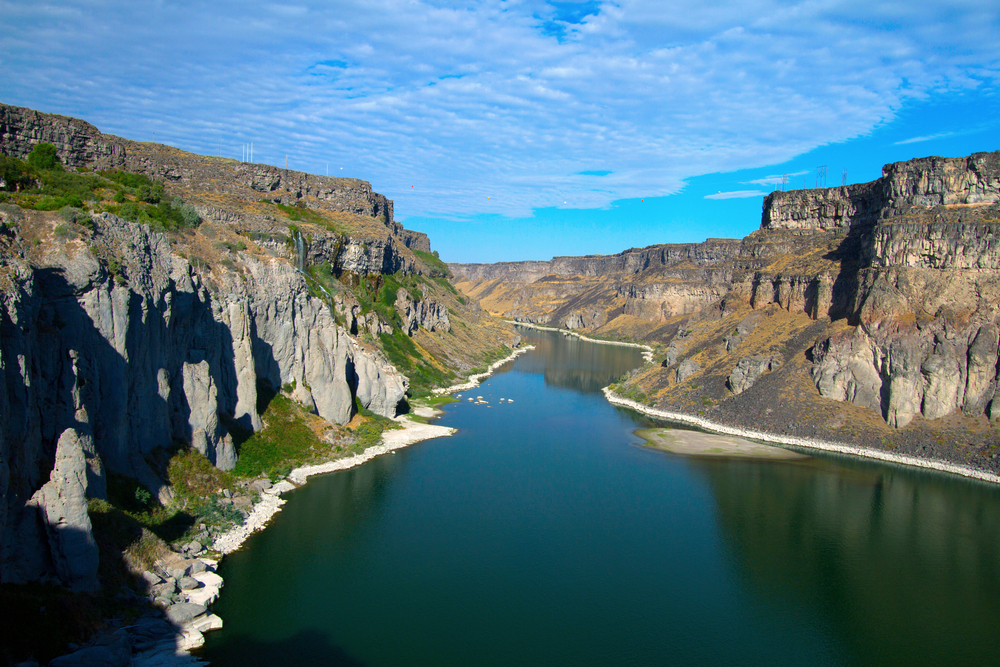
x=821, y=176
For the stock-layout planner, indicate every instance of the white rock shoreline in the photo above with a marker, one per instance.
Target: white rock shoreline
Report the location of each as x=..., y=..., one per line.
x=647, y=351
x=805, y=443
x=792, y=441
x=271, y=501
x=474, y=380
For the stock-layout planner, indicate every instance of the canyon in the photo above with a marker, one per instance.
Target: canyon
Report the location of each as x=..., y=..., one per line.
x=121, y=342
x=871, y=300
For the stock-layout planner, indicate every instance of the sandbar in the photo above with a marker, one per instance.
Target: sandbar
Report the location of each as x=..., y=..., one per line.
x=696, y=443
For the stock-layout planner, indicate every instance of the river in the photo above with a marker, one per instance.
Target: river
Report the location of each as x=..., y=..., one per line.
x=544, y=533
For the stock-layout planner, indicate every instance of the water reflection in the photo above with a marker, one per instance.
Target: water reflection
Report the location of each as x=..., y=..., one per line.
x=903, y=564
x=566, y=361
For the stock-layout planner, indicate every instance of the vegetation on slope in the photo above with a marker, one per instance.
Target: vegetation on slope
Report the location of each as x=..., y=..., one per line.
x=42, y=183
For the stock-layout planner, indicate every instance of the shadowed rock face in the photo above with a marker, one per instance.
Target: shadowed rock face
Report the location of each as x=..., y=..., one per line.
x=116, y=342
x=98, y=372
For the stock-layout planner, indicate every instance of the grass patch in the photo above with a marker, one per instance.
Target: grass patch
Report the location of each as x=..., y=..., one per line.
x=369, y=432
x=436, y=267
x=490, y=356
x=405, y=356
x=42, y=184
x=285, y=441
x=631, y=392
x=301, y=213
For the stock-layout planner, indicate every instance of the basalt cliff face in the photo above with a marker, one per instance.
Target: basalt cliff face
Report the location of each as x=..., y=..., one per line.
x=120, y=343
x=882, y=297
x=112, y=370
x=221, y=186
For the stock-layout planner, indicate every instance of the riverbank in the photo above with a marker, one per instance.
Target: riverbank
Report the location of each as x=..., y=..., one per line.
x=805, y=443
x=647, y=354
x=475, y=379
x=271, y=502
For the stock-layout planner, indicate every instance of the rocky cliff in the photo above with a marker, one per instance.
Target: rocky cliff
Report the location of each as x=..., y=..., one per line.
x=882, y=295
x=112, y=367
x=220, y=185
x=120, y=343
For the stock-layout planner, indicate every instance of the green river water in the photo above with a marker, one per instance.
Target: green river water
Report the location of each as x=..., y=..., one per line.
x=543, y=533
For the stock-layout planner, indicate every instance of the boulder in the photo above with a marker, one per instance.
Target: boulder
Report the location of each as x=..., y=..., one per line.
x=260, y=485
x=113, y=651
x=686, y=369
x=748, y=370
x=184, y=612
x=188, y=583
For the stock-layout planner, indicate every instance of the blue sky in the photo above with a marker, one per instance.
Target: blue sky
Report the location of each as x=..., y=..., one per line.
x=525, y=129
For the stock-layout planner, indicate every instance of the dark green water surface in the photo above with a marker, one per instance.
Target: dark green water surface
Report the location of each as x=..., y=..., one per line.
x=542, y=533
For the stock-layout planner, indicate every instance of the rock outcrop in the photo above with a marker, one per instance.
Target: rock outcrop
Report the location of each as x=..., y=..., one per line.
x=102, y=369
x=748, y=370
x=421, y=313
x=80, y=144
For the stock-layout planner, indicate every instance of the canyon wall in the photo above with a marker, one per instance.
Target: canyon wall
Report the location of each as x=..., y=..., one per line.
x=100, y=370
x=80, y=144
x=909, y=262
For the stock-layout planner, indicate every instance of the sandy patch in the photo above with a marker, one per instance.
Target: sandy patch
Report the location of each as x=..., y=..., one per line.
x=695, y=443
x=793, y=441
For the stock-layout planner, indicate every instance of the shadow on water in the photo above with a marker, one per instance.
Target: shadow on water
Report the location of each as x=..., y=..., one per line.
x=137, y=412
x=308, y=648
x=902, y=564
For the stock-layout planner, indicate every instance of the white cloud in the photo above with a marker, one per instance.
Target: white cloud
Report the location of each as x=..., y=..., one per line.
x=498, y=99
x=737, y=194
x=775, y=179
x=930, y=137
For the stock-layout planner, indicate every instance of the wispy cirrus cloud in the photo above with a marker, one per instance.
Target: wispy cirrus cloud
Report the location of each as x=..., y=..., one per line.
x=775, y=179
x=498, y=107
x=736, y=194
x=930, y=137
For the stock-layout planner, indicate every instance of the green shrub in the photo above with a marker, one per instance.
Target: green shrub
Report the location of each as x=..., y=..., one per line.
x=16, y=174
x=285, y=440
x=65, y=232
x=43, y=157
x=438, y=269
x=405, y=356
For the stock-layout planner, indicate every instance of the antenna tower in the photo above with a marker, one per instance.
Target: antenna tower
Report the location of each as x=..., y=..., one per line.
x=821, y=176
x=843, y=180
